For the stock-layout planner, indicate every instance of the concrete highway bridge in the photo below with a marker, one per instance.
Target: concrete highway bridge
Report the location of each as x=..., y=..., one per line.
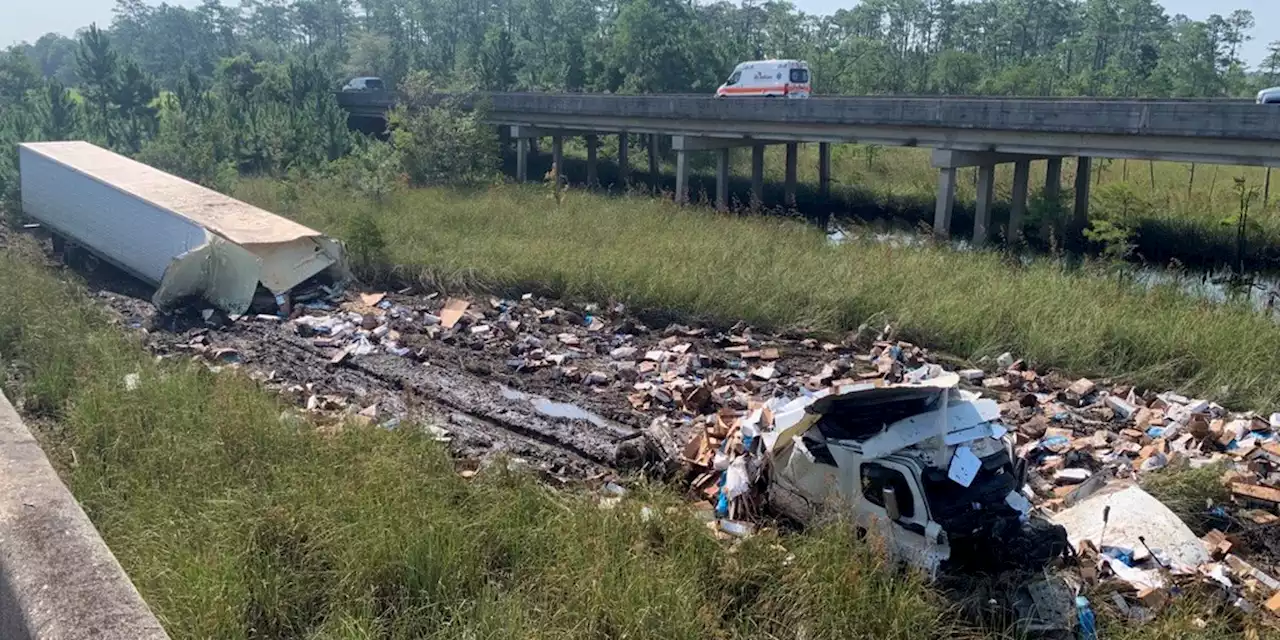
x=963, y=132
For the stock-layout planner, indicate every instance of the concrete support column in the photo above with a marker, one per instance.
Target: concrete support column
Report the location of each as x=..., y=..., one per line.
x=824, y=169
x=722, y=179
x=757, y=176
x=1018, y=208
x=982, y=210
x=624, y=167
x=593, y=173
x=793, y=154
x=557, y=156
x=946, y=202
x=682, y=176
x=1080, y=217
x=522, y=159
x=653, y=162
x=1053, y=179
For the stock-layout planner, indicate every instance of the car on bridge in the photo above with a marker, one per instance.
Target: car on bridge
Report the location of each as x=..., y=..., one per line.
x=1269, y=96
x=768, y=79
x=363, y=84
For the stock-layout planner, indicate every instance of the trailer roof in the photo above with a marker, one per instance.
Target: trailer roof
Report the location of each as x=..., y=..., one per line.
x=237, y=221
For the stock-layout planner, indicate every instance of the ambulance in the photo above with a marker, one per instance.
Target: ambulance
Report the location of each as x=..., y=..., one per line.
x=768, y=79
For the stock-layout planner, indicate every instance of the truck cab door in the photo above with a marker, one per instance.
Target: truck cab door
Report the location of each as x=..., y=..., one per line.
x=911, y=536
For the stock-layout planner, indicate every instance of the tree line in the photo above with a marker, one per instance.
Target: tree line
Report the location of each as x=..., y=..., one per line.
x=994, y=47
x=217, y=90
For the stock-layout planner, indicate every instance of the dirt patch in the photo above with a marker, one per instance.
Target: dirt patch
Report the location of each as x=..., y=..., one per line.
x=567, y=388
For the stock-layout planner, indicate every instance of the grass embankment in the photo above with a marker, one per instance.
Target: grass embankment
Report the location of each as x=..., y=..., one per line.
x=779, y=273
x=1172, y=211
x=235, y=524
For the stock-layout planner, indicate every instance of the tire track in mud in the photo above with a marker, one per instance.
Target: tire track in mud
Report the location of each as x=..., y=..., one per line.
x=483, y=401
x=481, y=420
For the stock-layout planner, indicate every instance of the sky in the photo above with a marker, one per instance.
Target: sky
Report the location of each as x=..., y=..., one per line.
x=29, y=19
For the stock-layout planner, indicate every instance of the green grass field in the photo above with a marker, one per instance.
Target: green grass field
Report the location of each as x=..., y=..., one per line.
x=781, y=273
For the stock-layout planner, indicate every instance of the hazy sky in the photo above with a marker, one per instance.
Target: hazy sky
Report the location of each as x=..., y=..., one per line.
x=29, y=19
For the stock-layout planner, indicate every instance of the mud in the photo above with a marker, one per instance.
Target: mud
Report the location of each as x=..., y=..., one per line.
x=574, y=419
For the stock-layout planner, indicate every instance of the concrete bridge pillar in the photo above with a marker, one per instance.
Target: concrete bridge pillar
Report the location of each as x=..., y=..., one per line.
x=1018, y=208
x=757, y=176
x=654, y=178
x=982, y=208
x=1080, y=217
x=947, y=161
x=557, y=155
x=722, y=179
x=824, y=170
x=682, y=176
x=525, y=138
x=593, y=172
x=946, y=202
x=793, y=153
x=522, y=159
x=624, y=167
x=1053, y=179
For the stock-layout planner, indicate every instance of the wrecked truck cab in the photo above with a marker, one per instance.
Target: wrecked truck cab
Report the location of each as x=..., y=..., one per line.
x=926, y=467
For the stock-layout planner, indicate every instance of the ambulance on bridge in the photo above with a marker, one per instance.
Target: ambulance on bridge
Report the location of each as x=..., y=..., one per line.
x=768, y=79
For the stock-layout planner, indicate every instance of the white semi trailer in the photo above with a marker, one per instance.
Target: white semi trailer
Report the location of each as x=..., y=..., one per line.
x=184, y=239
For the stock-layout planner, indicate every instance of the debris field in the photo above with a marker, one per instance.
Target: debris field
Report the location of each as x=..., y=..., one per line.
x=587, y=391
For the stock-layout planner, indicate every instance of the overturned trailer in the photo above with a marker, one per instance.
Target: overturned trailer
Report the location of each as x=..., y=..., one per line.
x=185, y=240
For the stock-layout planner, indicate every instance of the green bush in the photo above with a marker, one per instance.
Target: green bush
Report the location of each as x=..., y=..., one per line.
x=439, y=142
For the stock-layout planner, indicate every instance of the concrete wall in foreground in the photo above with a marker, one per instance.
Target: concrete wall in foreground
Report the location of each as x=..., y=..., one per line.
x=58, y=580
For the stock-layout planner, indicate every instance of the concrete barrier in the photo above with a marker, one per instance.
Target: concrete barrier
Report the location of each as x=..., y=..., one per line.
x=58, y=580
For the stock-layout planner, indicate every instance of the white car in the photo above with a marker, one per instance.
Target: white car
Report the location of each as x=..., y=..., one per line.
x=1269, y=96
x=364, y=84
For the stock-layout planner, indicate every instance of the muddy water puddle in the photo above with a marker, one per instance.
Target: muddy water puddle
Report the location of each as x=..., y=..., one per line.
x=553, y=409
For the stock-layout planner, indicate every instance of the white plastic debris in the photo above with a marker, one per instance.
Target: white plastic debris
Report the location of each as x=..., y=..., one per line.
x=736, y=480
x=132, y=381
x=964, y=466
x=1134, y=513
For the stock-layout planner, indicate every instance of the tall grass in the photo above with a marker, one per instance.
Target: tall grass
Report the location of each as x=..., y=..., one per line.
x=234, y=523
x=781, y=273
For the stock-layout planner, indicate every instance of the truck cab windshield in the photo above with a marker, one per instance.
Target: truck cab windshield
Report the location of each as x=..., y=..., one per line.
x=733, y=79
x=954, y=505
x=800, y=76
